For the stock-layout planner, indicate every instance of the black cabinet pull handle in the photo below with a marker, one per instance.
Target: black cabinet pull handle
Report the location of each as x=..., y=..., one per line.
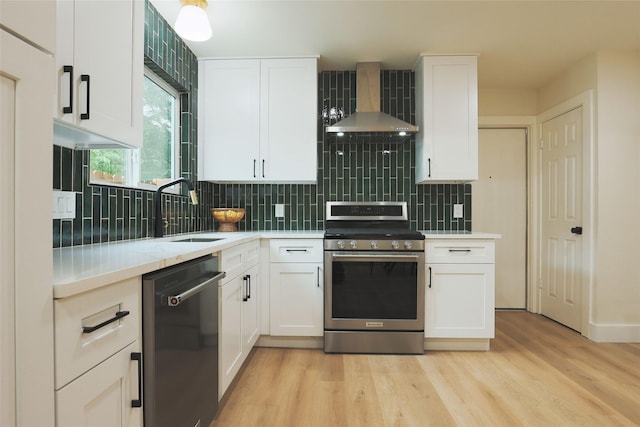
x=86, y=78
x=69, y=69
x=249, y=286
x=576, y=230
x=137, y=403
x=263, y=168
x=119, y=315
x=429, y=163
x=245, y=292
x=460, y=250
x=429, y=277
x=318, y=276
x=254, y=168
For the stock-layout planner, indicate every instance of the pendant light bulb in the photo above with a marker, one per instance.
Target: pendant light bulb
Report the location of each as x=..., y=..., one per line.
x=192, y=22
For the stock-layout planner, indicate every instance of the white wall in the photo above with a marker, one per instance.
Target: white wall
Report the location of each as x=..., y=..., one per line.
x=501, y=102
x=617, y=292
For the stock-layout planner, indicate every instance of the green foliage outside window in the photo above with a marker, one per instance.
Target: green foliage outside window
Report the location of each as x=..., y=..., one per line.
x=155, y=161
x=159, y=123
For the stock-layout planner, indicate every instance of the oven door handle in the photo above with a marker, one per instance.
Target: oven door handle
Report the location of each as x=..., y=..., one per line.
x=174, y=300
x=375, y=258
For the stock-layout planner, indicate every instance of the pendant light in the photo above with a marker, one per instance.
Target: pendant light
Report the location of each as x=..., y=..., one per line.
x=192, y=22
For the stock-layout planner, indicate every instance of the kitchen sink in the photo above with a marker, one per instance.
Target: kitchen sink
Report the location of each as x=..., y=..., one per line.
x=199, y=239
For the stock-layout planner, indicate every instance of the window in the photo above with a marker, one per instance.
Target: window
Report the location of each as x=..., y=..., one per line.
x=157, y=161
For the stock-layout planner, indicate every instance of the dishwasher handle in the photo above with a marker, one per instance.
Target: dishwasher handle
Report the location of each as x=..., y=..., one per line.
x=174, y=300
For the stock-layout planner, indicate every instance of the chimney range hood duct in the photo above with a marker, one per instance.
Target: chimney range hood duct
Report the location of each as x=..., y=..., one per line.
x=369, y=124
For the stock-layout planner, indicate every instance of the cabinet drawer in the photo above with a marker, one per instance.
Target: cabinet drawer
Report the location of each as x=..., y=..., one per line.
x=460, y=252
x=76, y=348
x=237, y=259
x=295, y=250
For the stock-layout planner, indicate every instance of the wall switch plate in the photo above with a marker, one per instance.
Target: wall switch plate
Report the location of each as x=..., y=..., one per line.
x=458, y=210
x=64, y=205
x=279, y=211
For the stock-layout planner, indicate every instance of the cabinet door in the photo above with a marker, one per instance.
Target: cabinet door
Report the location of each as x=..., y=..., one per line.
x=102, y=396
x=26, y=305
x=459, y=301
x=230, y=334
x=288, y=119
x=104, y=41
x=250, y=309
x=447, y=114
x=229, y=125
x=296, y=294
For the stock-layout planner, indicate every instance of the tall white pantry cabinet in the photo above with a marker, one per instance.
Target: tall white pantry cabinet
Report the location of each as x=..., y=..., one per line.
x=26, y=265
x=258, y=120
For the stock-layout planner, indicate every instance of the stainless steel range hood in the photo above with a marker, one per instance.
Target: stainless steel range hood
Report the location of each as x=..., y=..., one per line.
x=369, y=124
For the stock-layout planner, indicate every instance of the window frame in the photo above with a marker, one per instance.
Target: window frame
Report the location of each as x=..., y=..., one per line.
x=133, y=156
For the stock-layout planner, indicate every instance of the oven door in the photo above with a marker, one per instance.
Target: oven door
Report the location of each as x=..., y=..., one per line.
x=369, y=291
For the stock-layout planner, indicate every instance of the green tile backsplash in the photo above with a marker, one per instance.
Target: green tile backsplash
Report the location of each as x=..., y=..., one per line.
x=356, y=172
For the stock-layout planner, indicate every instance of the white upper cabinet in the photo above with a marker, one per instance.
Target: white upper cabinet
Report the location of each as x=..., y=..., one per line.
x=257, y=120
x=447, y=114
x=100, y=69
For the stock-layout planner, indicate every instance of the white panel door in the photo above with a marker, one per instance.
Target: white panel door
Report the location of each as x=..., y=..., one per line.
x=561, y=247
x=499, y=205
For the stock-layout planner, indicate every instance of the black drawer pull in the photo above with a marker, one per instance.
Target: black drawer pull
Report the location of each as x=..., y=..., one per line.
x=86, y=78
x=460, y=250
x=69, y=69
x=137, y=403
x=119, y=315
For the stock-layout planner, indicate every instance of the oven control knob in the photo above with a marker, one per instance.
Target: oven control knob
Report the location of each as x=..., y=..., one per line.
x=353, y=244
x=340, y=244
x=408, y=244
x=395, y=244
x=374, y=244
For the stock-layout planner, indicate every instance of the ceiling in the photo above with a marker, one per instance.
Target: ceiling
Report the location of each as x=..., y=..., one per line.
x=521, y=44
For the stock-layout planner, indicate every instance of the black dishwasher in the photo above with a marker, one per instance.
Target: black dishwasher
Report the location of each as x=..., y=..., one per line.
x=180, y=344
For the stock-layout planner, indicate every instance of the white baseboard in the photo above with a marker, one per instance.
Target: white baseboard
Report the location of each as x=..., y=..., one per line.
x=614, y=332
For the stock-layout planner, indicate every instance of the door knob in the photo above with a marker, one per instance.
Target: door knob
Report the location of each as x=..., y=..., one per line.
x=576, y=230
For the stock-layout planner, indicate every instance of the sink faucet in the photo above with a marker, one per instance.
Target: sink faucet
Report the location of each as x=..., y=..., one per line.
x=159, y=225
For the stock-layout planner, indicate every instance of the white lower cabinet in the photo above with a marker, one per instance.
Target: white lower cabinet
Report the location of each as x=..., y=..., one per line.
x=238, y=310
x=103, y=396
x=97, y=345
x=296, y=287
x=460, y=289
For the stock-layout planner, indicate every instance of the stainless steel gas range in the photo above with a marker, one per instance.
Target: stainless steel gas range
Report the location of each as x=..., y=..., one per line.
x=374, y=279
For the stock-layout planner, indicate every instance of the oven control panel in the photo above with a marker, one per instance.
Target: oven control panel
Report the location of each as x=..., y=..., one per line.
x=373, y=245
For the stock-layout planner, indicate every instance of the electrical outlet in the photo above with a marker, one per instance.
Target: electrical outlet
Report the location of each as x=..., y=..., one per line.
x=64, y=205
x=458, y=210
x=279, y=208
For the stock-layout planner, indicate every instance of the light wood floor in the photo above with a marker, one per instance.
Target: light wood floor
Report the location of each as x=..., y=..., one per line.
x=538, y=373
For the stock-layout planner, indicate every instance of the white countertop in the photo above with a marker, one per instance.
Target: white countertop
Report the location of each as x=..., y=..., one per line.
x=79, y=269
